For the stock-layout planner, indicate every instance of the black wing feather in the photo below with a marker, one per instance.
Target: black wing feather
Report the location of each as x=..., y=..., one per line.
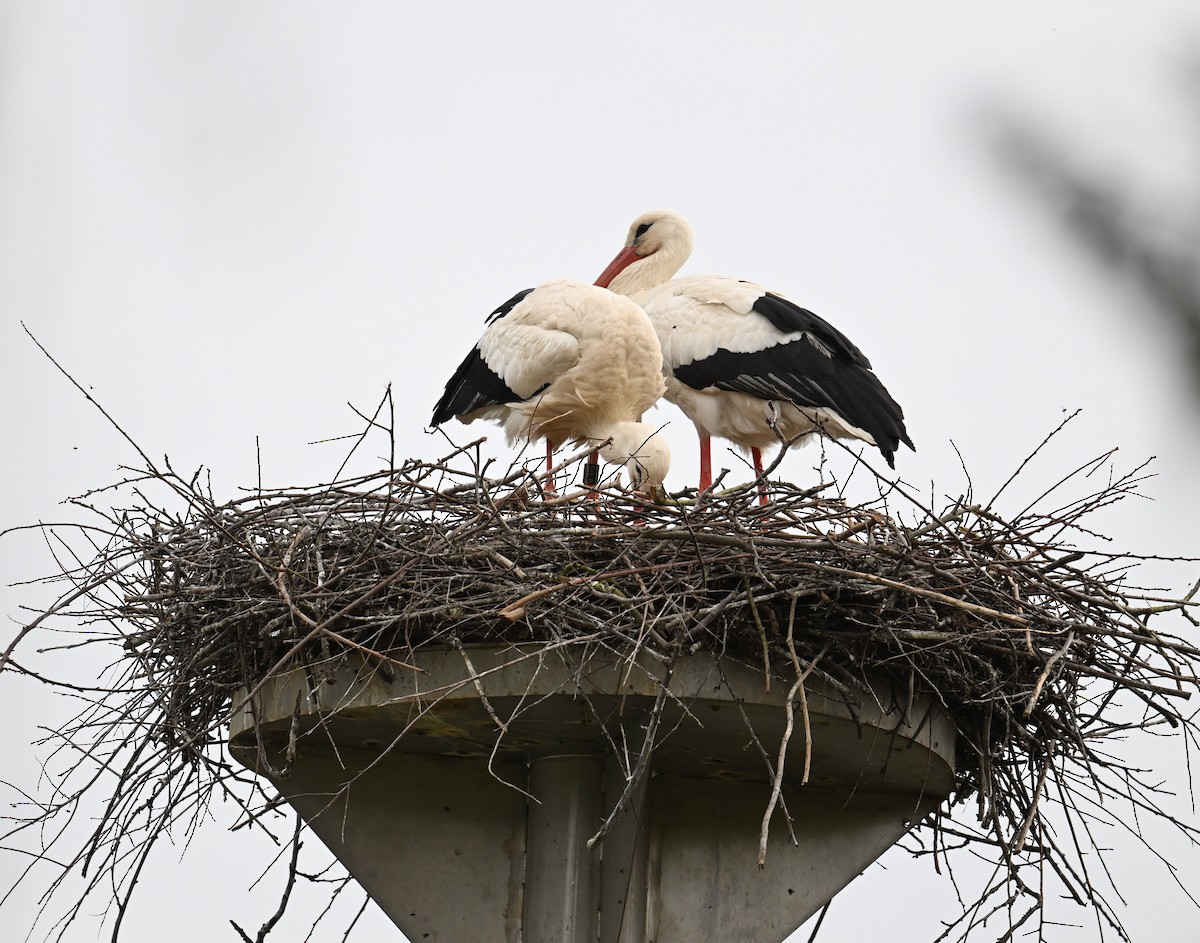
x=820, y=370
x=508, y=306
x=788, y=317
x=474, y=384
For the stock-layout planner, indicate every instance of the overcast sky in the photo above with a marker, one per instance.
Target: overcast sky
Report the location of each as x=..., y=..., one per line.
x=228, y=220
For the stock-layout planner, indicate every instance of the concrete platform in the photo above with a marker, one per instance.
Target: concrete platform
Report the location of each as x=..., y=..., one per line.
x=465, y=832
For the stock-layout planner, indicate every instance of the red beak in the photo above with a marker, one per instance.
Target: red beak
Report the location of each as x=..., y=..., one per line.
x=625, y=257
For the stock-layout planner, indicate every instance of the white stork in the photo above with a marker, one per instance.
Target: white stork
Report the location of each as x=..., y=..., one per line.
x=742, y=361
x=567, y=362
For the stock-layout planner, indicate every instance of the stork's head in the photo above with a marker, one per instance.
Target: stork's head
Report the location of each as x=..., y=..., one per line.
x=644, y=452
x=659, y=242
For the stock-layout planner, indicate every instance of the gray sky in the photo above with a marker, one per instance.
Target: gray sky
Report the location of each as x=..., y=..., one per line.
x=228, y=220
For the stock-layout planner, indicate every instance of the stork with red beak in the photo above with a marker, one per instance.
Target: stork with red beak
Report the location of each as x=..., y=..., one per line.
x=742, y=361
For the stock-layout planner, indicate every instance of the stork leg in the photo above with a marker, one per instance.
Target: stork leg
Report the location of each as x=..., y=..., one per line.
x=591, y=475
x=756, y=454
x=705, y=462
x=549, y=468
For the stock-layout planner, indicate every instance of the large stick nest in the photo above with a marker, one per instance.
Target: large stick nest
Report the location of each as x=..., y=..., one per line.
x=1041, y=651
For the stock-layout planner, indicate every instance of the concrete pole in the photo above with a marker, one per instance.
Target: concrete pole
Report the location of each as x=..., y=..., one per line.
x=562, y=883
x=625, y=853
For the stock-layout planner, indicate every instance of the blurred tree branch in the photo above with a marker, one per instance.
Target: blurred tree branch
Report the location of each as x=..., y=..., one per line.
x=1108, y=221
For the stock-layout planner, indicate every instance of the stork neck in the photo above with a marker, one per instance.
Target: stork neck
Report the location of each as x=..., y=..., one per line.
x=649, y=271
x=637, y=443
x=624, y=437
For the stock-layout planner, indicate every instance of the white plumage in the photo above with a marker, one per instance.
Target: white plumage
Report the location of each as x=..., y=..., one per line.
x=567, y=362
x=742, y=361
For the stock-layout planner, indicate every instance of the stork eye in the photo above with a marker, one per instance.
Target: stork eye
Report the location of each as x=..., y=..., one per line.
x=641, y=231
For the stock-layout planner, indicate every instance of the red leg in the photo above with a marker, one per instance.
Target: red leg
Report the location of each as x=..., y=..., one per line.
x=756, y=454
x=705, y=462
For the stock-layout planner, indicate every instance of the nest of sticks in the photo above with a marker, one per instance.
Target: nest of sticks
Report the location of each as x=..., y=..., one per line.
x=1041, y=649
